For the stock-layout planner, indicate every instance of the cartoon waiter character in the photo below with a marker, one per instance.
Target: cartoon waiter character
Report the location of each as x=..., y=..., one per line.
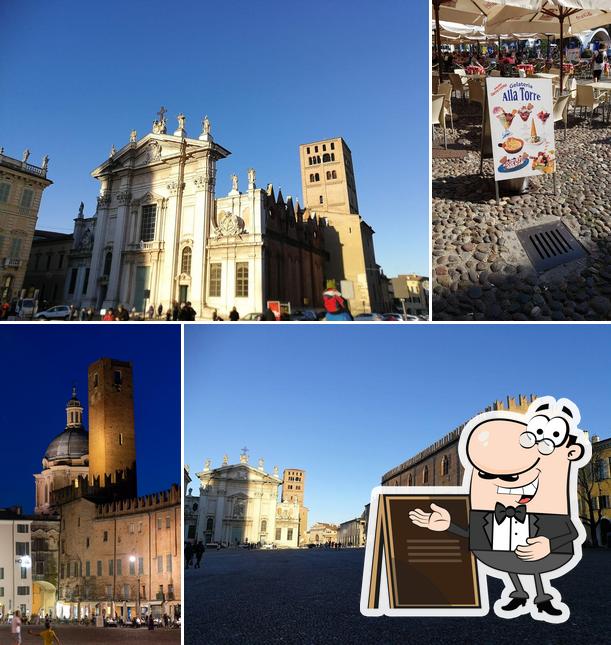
x=521, y=473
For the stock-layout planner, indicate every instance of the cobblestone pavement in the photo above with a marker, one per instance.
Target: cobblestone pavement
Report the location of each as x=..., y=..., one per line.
x=480, y=271
x=83, y=635
x=312, y=596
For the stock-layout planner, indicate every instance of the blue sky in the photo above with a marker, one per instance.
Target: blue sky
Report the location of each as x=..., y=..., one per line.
x=76, y=77
x=40, y=365
x=349, y=403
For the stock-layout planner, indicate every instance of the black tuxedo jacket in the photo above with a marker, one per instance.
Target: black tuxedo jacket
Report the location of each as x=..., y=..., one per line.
x=559, y=529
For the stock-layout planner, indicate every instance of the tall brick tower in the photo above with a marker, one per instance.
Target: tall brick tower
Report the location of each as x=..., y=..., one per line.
x=293, y=490
x=112, y=444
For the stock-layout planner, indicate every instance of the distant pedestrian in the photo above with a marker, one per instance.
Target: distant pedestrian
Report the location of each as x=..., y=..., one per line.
x=151, y=622
x=183, y=314
x=90, y=314
x=159, y=310
x=188, y=554
x=109, y=315
x=190, y=312
x=336, y=306
x=83, y=314
x=151, y=312
x=269, y=315
x=215, y=315
x=168, y=314
x=122, y=313
x=175, y=310
x=16, y=627
x=234, y=315
x=199, y=552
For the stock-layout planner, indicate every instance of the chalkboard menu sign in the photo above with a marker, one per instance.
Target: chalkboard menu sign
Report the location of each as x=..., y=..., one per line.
x=410, y=570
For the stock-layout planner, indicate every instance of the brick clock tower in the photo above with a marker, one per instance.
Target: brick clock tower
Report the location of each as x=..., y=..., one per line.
x=112, y=444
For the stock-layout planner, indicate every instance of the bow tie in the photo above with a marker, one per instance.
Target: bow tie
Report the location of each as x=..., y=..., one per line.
x=501, y=512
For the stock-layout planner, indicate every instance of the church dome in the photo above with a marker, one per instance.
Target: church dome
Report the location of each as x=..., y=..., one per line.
x=73, y=442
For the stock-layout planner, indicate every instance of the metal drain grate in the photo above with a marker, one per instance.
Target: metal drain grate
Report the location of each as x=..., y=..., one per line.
x=550, y=245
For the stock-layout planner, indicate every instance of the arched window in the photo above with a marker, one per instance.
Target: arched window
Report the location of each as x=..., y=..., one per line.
x=263, y=526
x=209, y=524
x=332, y=156
x=311, y=177
x=185, y=264
x=328, y=175
x=425, y=475
x=46, y=494
x=317, y=177
x=317, y=158
x=333, y=174
x=5, y=189
x=445, y=465
x=410, y=480
x=107, y=263
x=320, y=200
x=326, y=157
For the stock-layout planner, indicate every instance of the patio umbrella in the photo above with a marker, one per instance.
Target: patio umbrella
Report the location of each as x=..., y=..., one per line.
x=472, y=12
x=550, y=16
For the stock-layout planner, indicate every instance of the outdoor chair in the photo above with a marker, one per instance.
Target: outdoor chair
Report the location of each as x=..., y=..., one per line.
x=476, y=91
x=436, y=84
x=588, y=99
x=438, y=116
x=458, y=85
x=561, y=111
x=445, y=88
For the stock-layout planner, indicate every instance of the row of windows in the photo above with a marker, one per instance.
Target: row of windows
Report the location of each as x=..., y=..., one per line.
x=27, y=195
x=21, y=591
x=75, y=569
x=324, y=147
x=444, y=468
x=241, y=280
x=297, y=487
x=316, y=159
x=38, y=256
x=294, y=479
x=289, y=534
x=314, y=177
x=15, y=246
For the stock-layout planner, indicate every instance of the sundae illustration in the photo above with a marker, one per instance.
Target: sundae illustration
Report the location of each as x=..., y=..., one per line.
x=505, y=118
x=543, y=116
x=525, y=111
x=544, y=161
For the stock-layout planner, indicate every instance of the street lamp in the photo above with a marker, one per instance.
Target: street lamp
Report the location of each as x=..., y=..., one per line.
x=132, y=559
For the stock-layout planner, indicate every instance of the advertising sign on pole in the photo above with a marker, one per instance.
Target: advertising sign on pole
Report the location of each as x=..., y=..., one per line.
x=521, y=126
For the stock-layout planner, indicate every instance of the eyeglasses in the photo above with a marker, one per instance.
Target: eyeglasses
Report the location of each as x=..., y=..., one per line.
x=547, y=434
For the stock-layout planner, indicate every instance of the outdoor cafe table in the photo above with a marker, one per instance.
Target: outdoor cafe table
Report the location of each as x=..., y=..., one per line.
x=546, y=75
x=602, y=85
x=527, y=67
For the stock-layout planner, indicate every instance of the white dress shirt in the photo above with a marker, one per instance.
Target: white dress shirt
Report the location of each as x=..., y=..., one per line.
x=509, y=534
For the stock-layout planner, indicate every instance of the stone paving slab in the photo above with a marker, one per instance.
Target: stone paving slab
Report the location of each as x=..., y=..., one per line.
x=480, y=272
x=312, y=596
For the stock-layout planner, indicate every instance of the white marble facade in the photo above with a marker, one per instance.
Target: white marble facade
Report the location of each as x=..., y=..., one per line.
x=154, y=209
x=238, y=504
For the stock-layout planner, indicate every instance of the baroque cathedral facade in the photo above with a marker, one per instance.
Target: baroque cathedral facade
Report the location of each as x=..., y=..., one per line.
x=161, y=235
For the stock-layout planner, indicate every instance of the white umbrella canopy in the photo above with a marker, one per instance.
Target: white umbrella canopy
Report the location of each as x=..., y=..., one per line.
x=558, y=17
x=543, y=16
x=473, y=12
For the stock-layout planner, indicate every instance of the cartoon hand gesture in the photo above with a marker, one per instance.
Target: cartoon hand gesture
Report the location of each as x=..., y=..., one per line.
x=438, y=520
x=535, y=549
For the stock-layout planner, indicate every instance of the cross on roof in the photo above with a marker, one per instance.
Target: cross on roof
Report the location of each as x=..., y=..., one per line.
x=244, y=450
x=161, y=114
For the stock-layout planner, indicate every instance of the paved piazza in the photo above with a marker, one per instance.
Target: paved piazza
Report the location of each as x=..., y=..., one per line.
x=83, y=635
x=480, y=270
x=312, y=596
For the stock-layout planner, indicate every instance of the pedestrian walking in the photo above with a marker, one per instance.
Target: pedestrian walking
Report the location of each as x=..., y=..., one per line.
x=168, y=314
x=234, y=315
x=122, y=313
x=190, y=312
x=269, y=315
x=151, y=623
x=199, y=552
x=159, y=310
x=109, y=315
x=175, y=311
x=90, y=314
x=83, y=314
x=188, y=554
x=336, y=306
x=16, y=627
